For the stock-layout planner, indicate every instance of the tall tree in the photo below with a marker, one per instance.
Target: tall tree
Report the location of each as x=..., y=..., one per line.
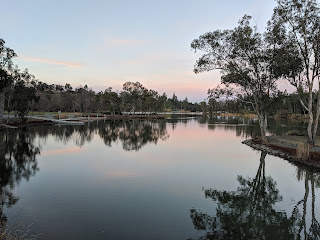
x=133, y=95
x=241, y=56
x=297, y=24
x=6, y=54
x=111, y=100
x=23, y=94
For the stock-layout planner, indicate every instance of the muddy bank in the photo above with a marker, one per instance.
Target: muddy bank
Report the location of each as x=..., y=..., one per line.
x=19, y=124
x=120, y=117
x=286, y=150
x=34, y=122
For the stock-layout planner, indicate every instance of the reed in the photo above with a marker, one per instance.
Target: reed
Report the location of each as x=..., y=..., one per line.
x=303, y=151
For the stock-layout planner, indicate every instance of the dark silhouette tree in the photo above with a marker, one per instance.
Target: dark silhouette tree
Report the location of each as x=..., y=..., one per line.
x=241, y=55
x=17, y=161
x=6, y=54
x=247, y=213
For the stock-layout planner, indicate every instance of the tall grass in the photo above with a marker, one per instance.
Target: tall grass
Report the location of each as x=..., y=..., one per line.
x=17, y=232
x=303, y=151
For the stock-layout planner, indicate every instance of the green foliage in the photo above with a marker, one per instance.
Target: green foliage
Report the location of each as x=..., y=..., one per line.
x=6, y=55
x=242, y=56
x=294, y=31
x=22, y=97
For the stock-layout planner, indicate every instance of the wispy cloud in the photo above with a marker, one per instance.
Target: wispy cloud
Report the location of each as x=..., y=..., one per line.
x=52, y=61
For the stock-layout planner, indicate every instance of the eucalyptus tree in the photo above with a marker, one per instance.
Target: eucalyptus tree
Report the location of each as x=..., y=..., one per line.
x=23, y=93
x=6, y=54
x=132, y=96
x=162, y=103
x=112, y=100
x=203, y=107
x=242, y=57
x=174, y=102
x=295, y=28
x=151, y=100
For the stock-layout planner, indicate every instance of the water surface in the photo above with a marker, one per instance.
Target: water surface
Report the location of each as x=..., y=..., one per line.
x=180, y=178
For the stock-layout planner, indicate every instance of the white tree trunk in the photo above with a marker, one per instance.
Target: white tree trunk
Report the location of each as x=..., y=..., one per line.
x=263, y=127
x=310, y=123
x=316, y=121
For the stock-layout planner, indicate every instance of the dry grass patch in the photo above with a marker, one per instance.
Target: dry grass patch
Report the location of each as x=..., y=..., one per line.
x=303, y=151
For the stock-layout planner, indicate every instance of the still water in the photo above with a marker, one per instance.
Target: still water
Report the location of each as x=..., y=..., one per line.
x=179, y=178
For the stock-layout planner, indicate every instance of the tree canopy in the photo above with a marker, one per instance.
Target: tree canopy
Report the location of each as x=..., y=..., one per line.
x=241, y=54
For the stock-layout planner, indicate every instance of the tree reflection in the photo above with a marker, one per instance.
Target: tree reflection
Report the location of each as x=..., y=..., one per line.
x=249, y=212
x=311, y=179
x=17, y=162
x=133, y=134
x=248, y=127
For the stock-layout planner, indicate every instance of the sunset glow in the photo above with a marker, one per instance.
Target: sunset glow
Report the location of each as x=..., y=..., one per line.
x=106, y=43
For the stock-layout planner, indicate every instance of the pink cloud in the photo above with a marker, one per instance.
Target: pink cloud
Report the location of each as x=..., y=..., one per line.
x=182, y=83
x=55, y=62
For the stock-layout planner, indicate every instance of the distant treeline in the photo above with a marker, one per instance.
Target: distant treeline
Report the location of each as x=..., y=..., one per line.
x=21, y=92
x=133, y=98
x=281, y=104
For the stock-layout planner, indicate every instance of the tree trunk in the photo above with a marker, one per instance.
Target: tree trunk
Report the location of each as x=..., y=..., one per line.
x=263, y=127
x=316, y=121
x=8, y=107
x=305, y=199
x=1, y=106
x=310, y=123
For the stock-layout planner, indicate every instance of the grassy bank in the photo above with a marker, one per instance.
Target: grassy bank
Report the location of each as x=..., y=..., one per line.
x=291, y=148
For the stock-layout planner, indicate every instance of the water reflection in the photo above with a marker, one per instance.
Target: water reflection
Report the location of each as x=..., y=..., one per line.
x=249, y=127
x=250, y=211
x=133, y=134
x=153, y=185
x=18, y=161
x=311, y=180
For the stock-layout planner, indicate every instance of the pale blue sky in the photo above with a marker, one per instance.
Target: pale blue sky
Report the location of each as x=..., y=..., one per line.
x=106, y=43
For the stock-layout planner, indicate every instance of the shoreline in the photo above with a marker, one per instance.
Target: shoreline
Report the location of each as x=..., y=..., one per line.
x=284, y=151
x=19, y=125
x=33, y=123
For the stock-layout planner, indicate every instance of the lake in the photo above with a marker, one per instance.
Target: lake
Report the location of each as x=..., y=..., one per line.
x=180, y=178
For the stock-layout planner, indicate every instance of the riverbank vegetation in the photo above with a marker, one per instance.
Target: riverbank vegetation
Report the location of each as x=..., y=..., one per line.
x=21, y=92
x=251, y=63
